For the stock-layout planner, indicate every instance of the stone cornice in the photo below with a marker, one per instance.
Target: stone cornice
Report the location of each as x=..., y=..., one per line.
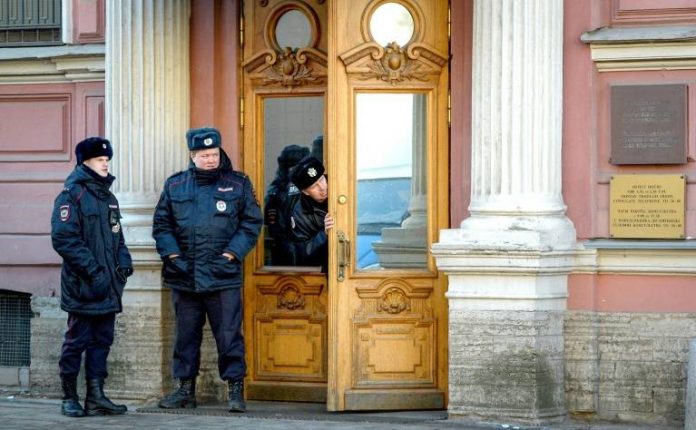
x=69, y=63
x=642, y=48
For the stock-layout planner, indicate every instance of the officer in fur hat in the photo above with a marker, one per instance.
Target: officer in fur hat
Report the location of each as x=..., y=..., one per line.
x=205, y=223
x=280, y=199
x=310, y=219
x=86, y=232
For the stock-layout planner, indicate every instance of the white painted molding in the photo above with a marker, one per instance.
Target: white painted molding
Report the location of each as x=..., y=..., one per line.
x=83, y=63
x=644, y=56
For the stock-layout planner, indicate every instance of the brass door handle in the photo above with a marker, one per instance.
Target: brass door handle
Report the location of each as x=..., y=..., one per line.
x=343, y=255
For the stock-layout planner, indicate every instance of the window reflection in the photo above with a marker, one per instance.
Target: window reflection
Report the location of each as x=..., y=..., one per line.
x=293, y=128
x=391, y=181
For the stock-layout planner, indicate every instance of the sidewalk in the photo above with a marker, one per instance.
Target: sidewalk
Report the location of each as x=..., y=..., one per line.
x=44, y=414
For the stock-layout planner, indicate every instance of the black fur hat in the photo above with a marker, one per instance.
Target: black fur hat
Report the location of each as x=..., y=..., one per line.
x=93, y=147
x=291, y=155
x=203, y=138
x=306, y=172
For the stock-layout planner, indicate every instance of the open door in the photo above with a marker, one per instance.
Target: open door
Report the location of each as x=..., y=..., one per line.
x=362, y=85
x=284, y=68
x=388, y=147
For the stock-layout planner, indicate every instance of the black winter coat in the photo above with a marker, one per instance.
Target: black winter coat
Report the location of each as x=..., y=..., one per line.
x=200, y=222
x=86, y=232
x=308, y=232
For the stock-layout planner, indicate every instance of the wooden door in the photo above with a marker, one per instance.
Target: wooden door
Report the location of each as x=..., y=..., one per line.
x=387, y=140
x=362, y=84
x=284, y=70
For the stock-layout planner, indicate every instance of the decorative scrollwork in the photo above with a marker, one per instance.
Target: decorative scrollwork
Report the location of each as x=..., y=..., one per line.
x=394, y=301
x=288, y=71
x=263, y=3
x=394, y=66
x=290, y=298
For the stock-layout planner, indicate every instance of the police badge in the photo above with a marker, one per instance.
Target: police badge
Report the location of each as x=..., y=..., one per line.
x=312, y=172
x=65, y=213
x=116, y=228
x=221, y=206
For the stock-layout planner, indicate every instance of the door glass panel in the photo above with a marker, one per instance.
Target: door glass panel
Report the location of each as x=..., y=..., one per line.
x=293, y=30
x=391, y=181
x=391, y=22
x=293, y=128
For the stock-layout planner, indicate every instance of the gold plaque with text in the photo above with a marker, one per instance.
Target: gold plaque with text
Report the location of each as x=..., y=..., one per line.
x=647, y=206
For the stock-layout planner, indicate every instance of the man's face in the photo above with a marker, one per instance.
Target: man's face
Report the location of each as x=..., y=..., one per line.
x=319, y=190
x=206, y=159
x=99, y=165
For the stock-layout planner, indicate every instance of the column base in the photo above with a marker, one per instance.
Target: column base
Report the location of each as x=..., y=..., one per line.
x=507, y=297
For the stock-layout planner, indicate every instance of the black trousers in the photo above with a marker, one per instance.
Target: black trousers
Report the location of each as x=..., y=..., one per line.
x=91, y=334
x=224, y=311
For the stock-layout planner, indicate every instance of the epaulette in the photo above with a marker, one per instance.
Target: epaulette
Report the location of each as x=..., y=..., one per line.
x=176, y=178
x=240, y=174
x=75, y=191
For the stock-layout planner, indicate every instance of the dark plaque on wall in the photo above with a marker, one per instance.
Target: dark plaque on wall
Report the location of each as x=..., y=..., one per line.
x=648, y=124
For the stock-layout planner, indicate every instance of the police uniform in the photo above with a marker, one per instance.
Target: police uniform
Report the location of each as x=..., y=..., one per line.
x=86, y=232
x=201, y=215
x=280, y=199
x=308, y=215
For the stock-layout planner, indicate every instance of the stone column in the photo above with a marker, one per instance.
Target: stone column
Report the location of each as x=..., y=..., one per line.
x=147, y=115
x=508, y=262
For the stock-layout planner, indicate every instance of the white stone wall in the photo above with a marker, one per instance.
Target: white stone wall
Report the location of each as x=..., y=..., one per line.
x=629, y=367
x=139, y=363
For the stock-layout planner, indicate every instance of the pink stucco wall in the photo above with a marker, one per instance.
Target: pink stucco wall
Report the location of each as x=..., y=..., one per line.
x=39, y=126
x=586, y=148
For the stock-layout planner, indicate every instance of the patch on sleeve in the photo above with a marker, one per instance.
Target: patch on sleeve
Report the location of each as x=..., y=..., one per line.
x=65, y=213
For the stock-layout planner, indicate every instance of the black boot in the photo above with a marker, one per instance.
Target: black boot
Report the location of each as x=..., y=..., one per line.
x=96, y=403
x=71, y=402
x=182, y=397
x=236, y=395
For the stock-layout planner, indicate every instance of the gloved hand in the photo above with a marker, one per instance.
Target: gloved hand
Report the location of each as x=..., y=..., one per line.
x=125, y=271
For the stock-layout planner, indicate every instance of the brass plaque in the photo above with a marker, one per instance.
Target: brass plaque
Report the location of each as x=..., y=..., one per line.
x=648, y=124
x=647, y=206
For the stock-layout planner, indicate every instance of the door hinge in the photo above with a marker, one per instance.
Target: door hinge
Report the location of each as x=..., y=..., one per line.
x=241, y=112
x=449, y=22
x=449, y=108
x=241, y=26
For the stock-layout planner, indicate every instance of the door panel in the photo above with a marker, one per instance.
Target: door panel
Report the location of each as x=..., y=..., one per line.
x=388, y=134
x=285, y=304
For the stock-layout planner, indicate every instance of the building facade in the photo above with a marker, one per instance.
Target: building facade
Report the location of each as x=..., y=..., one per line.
x=475, y=152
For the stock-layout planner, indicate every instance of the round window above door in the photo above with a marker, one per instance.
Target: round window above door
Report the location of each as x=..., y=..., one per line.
x=292, y=25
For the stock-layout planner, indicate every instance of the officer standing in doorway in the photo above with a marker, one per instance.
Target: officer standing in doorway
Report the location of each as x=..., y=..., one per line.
x=86, y=232
x=310, y=219
x=205, y=223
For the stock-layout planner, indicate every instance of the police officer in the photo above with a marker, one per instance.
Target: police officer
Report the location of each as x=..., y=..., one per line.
x=86, y=233
x=280, y=198
x=310, y=219
x=205, y=223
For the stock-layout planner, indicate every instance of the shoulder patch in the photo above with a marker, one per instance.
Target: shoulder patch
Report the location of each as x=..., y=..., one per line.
x=64, y=211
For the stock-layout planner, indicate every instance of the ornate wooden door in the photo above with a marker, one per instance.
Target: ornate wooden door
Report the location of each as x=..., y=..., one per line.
x=284, y=77
x=388, y=134
x=362, y=84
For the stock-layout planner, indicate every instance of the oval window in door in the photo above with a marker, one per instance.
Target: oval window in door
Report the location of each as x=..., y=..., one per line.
x=392, y=22
x=293, y=30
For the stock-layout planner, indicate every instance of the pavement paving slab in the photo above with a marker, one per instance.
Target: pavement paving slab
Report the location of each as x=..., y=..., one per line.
x=21, y=412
